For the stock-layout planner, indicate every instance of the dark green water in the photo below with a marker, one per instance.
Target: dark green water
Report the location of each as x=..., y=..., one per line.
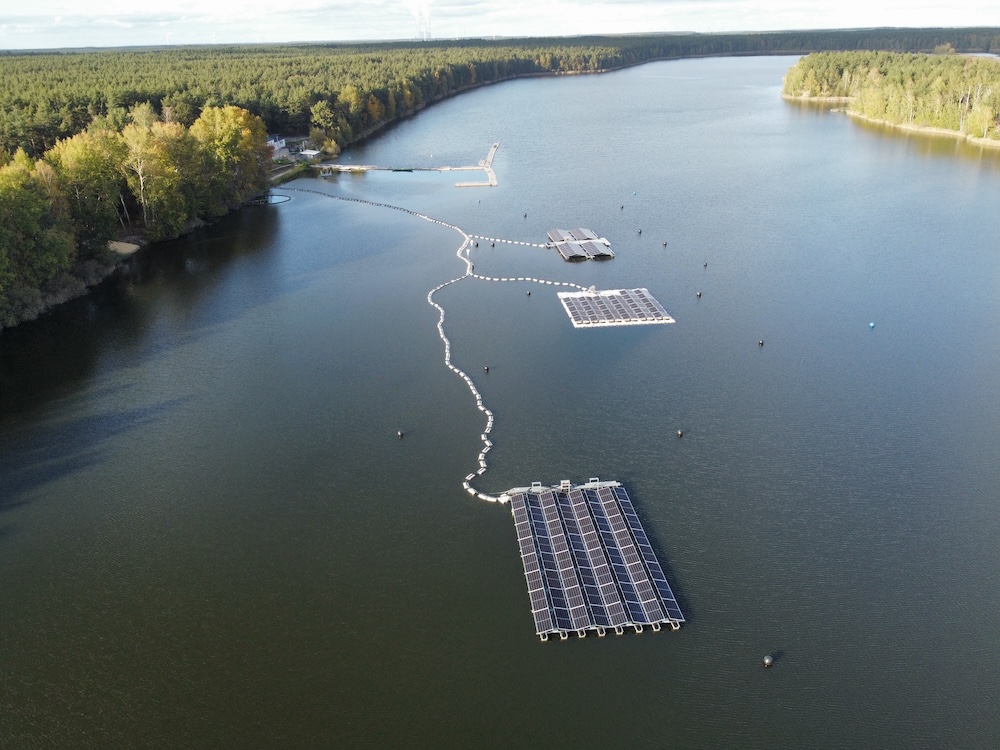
x=210, y=535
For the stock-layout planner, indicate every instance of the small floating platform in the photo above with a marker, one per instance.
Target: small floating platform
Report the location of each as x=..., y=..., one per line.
x=587, y=561
x=580, y=244
x=613, y=307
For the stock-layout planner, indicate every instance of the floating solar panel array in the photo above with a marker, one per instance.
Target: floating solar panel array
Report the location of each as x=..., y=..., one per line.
x=613, y=307
x=588, y=562
x=580, y=244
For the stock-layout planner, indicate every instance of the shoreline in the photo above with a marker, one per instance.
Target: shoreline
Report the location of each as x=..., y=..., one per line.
x=928, y=130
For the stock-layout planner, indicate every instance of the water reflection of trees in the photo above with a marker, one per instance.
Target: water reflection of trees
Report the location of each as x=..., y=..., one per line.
x=51, y=357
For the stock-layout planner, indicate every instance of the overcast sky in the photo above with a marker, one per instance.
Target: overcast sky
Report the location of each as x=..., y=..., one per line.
x=114, y=23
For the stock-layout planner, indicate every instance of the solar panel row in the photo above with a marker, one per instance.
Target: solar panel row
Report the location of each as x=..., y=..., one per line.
x=588, y=562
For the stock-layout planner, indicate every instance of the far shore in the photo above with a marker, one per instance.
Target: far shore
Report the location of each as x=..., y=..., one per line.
x=910, y=128
x=926, y=130
x=834, y=99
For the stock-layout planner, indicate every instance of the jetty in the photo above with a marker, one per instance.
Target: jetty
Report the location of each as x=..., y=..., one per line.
x=485, y=165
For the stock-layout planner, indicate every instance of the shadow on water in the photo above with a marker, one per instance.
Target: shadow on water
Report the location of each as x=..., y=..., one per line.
x=49, y=357
x=54, y=451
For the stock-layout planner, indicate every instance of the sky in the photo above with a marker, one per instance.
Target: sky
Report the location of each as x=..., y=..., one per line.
x=46, y=24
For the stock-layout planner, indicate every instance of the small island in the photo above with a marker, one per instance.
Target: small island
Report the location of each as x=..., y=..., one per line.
x=942, y=93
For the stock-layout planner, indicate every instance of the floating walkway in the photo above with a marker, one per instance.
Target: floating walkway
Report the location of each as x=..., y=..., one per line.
x=585, y=307
x=463, y=254
x=485, y=165
x=587, y=561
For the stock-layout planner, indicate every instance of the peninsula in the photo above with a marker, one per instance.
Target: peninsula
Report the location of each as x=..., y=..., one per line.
x=943, y=93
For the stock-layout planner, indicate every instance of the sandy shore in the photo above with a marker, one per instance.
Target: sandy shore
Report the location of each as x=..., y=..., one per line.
x=122, y=248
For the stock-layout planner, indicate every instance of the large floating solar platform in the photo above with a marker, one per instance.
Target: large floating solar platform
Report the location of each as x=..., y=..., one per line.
x=613, y=307
x=587, y=561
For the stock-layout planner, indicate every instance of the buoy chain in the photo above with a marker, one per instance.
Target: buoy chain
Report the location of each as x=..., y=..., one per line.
x=463, y=254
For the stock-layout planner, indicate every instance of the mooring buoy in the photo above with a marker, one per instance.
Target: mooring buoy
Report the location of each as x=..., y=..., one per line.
x=680, y=433
x=486, y=368
x=706, y=264
x=399, y=434
x=760, y=343
x=768, y=661
x=698, y=295
x=872, y=324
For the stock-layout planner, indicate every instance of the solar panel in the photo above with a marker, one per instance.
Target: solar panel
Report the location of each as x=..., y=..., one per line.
x=613, y=307
x=587, y=561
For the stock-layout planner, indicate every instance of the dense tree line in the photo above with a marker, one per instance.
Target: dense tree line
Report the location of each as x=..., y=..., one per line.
x=48, y=96
x=948, y=91
x=154, y=177
x=99, y=143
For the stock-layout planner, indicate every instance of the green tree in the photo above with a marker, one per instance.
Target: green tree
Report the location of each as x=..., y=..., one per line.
x=89, y=168
x=234, y=144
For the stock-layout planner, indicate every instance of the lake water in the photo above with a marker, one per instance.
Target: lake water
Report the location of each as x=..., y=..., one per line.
x=210, y=535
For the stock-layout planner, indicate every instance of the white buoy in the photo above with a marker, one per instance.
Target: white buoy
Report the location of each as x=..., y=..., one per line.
x=680, y=433
x=760, y=343
x=399, y=434
x=698, y=295
x=768, y=661
x=872, y=324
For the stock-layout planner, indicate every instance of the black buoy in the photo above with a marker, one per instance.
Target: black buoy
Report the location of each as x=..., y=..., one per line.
x=529, y=292
x=760, y=343
x=623, y=206
x=698, y=295
x=768, y=661
x=526, y=216
x=493, y=244
x=399, y=434
x=706, y=264
x=680, y=433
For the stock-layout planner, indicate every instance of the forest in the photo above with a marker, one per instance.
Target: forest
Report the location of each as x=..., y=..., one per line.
x=152, y=177
x=147, y=141
x=945, y=90
x=343, y=92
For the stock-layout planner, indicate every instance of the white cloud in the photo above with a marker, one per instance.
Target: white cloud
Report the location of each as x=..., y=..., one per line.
x=232, y=21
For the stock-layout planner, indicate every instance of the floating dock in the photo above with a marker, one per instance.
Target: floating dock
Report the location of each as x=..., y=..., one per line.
x=580, y=244
x=613, y=307
x=587, y=561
